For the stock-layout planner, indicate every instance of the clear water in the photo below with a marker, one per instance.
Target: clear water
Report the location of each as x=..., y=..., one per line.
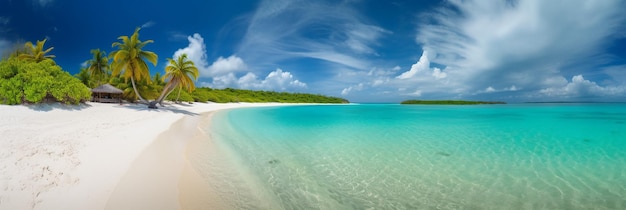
x=529, y=156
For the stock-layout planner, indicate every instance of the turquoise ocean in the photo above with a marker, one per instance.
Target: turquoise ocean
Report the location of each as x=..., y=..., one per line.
x=383, y=156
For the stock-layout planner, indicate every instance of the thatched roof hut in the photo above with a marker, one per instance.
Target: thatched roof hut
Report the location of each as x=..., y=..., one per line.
x=106, y=94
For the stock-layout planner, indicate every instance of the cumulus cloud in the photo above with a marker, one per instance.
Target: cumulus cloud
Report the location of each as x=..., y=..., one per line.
x=579, y=87
x=277, y=80
x=226, y=65
x=533, y=44
x=196, y=52
x=224, y=71
x=331, y=32
x=422, y=65
x=422, y=68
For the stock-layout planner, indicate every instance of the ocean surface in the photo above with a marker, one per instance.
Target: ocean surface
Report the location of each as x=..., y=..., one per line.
x=524, y=156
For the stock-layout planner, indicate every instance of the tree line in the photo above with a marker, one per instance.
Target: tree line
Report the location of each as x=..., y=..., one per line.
x=30, y=75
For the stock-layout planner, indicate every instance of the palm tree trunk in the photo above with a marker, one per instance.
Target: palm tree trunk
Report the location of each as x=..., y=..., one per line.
x=166, y=95
x=177, y=97
x=132, y=80
x=166, y=92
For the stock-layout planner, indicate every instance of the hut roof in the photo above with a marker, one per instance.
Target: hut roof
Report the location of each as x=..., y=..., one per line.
x=106, y=88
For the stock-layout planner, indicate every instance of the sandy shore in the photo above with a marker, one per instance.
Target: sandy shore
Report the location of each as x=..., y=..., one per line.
x=102, y=156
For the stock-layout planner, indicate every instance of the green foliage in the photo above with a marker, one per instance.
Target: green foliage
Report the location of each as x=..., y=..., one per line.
x=31, y=82
x=180, y=73
x=146, y=88
x=129, y=60
x=98, y=66
x=449, y=102
x=85, y=77
x=235, y=95
x=36, y=53
x=184, y=96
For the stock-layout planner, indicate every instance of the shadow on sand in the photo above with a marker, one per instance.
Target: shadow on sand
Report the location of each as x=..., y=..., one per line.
x=167, y=108
x=46, y=107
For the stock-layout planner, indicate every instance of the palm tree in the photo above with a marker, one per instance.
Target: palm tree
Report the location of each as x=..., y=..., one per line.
x=36, y=53
x=158, y=79
x=85, y=77
x=181, y=74
x=98, y=65
x=129, y=61
x=148, y=90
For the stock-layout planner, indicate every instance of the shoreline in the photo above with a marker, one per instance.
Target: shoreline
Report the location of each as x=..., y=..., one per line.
x=66, y=157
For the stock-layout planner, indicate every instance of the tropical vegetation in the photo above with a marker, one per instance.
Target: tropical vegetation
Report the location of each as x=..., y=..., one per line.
x=181, y=73
x=449, y=102
x=30, y=75
x=98, y=66
x=129, y=60
x=205, y=94
x=36, y=53
x=25, y=81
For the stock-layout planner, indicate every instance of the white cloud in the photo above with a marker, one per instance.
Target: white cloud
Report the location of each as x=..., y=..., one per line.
x=361, y=35
x=148, y=24
x=226, y=65
x=196, y=52
x=490, y=89
x=277, y=80
x=579, y=87
x=280, y=79
x=422, y=65
x=224, y=71
x=529, y=43
x=438, y=74
x=331, y=32
x=347, y=90
x=422, y=68
x=223, y=81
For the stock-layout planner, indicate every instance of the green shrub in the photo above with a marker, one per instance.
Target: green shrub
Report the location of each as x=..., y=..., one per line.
x=31, y=82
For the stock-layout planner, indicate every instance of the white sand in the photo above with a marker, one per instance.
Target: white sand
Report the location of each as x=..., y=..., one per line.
x=97, y=156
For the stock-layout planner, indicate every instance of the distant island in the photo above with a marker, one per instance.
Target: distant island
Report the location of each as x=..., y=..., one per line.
x=449, y=102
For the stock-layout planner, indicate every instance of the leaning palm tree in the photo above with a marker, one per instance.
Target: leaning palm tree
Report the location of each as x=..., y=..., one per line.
x=128, y=60
x=181, y=74
x=36, y=53
x=98, y=65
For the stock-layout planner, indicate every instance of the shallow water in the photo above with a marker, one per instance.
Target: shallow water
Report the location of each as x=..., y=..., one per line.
x=528, y=156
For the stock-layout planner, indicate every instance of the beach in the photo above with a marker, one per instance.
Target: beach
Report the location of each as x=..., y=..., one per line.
x=103, y=156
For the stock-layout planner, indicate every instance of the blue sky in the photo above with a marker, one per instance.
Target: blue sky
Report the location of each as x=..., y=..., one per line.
x=365, y=51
